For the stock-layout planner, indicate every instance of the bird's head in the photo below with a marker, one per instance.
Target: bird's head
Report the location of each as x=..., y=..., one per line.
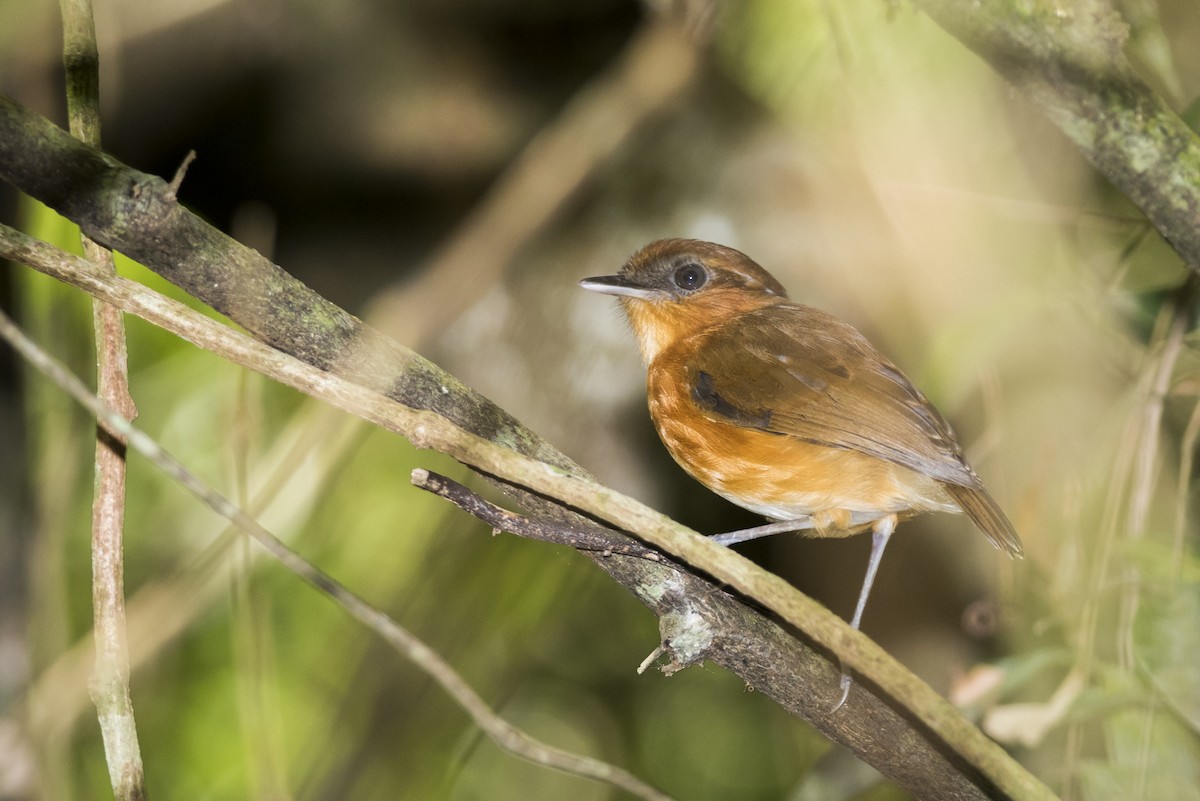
x=676, y=288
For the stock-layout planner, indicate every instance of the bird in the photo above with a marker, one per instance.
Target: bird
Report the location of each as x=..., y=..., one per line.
x=786, y=410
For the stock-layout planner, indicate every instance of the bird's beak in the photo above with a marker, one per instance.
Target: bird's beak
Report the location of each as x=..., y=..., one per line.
x=618, y=285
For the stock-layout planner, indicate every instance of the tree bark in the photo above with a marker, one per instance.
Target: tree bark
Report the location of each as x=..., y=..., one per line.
x=137, y=214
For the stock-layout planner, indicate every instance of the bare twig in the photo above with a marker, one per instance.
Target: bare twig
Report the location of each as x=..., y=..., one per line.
x=502, y=732
x=163, y=608
x=596, y=539
x=110, y=680
x=180, y=173
x=893, y=748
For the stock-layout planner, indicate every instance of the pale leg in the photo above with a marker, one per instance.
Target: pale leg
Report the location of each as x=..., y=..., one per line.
x=745, y=534
x=881, y=530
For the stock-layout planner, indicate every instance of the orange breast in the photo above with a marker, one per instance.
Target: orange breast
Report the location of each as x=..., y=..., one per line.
x=779, y=476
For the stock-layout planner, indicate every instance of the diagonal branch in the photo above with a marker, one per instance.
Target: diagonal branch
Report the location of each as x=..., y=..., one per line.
x=1066, y=57
x=892, y=720
x=502, y=732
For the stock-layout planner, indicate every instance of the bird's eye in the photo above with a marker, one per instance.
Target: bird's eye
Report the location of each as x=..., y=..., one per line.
x=690, y=276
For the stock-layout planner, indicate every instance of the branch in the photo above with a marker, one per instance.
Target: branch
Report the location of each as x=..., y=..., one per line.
x=503, y=733
x=940, y=750
x=109, y=686
x=930, y=748
x=1067, y=58
x=594, y=539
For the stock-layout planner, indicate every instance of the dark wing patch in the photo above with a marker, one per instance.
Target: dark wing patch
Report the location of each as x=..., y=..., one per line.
x=704, y=393
x=806, y=374
x=838, y=370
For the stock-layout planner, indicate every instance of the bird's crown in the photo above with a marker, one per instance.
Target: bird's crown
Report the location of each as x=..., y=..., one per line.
x=678, y=269
x=673, y=289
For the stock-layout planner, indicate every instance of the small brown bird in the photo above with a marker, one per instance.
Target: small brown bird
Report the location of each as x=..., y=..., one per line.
x=786, y=410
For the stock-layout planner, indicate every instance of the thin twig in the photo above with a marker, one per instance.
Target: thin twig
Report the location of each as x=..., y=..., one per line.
x=1132, y=483
x=596, y=540
x=110, y=680
x=180, y=173
x=161, y=609
x=502, y=732
x=572, y=487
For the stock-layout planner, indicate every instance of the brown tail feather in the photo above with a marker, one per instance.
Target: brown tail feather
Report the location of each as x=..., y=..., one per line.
x=987, y=514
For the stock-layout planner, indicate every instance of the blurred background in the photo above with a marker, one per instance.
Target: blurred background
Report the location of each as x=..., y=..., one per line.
x=449, y=170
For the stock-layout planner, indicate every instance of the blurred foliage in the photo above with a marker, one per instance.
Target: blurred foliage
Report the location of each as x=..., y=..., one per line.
x=869, y=160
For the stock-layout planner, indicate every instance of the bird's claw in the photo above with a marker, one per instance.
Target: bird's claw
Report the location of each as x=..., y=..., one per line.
x=845, y=683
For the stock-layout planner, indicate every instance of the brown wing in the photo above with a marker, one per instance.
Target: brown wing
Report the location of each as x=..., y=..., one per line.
x=988, y=516
x=806, y=374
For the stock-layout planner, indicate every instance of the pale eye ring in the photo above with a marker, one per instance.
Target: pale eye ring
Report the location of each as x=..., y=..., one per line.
x=690, y=277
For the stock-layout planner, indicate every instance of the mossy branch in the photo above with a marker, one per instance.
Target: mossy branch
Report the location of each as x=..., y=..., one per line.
x=892, y=720
x=1068, y=58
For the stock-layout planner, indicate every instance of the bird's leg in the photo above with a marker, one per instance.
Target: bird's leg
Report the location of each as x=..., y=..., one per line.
x=779, y=527
x=881, y=531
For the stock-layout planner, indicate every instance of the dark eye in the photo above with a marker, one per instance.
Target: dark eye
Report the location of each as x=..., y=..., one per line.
x=690, y=276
